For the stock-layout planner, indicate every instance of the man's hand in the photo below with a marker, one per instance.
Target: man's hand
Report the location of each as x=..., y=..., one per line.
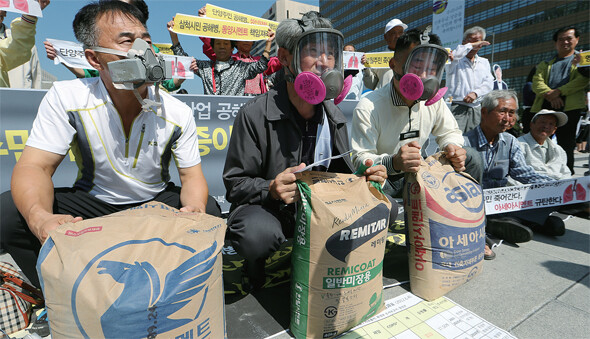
x=478, y=45
x=408, y=158
x=375, y=173
x=202, y=11
x=191, y=209
x=557, y=103
x=363, y=59
x=552, y=94
x=469, y=98
x=283, y=187
x=271, y=37
x=51, y=53
x=44, y=3
x=457, y=156
x=193, y=67
x=51, y=222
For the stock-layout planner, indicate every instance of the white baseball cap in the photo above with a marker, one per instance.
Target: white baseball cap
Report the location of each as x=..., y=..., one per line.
x=393, y=23
x=560, y=116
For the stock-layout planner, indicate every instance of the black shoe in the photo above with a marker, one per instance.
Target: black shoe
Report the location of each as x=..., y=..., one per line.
x=492, y=255
x=553, y=226
x=509, y=229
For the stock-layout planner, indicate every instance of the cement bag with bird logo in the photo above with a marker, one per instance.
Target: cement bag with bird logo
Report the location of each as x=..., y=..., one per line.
x=145, y=272
x=338, y=249
x=445, y=225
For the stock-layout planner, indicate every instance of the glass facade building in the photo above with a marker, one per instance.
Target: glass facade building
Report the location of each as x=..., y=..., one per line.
x=520, y=30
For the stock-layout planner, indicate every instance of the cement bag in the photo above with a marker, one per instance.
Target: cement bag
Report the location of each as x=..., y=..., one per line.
x=145, y=272
x=445, y=223
x=338, y=249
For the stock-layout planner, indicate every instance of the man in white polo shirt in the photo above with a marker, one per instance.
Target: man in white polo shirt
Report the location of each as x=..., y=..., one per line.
x=123, y=143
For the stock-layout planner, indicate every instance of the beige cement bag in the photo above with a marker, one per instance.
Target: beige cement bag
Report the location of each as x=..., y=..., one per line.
x=445, y=222
x=145, y=272
x=338, y=250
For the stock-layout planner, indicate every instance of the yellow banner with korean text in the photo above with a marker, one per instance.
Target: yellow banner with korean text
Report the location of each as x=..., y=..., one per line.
x=164, y=48
x=215, y=12
x=378, y=60
x=585, y=59
x=215, y=28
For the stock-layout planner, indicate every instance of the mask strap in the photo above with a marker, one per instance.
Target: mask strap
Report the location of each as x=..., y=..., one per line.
x=108, y=50
x=147, y=103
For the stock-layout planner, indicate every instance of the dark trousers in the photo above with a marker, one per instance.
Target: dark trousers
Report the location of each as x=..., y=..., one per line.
x=17, y=239
x=566, y=136
x=256, y=232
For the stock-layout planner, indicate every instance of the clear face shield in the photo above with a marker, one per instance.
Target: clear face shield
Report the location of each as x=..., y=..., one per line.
x=318, y=62
x=423, y=73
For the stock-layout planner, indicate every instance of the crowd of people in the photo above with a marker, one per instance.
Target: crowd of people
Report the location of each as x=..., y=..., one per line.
x=282, y=129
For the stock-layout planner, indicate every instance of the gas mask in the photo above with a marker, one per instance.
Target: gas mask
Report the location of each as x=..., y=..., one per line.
x=321, y=50
x=141, y=66
x=423, y=72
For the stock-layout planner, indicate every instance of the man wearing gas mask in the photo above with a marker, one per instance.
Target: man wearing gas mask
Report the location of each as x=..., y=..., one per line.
x=279, y=132
x=121, y=131
x=391, y=124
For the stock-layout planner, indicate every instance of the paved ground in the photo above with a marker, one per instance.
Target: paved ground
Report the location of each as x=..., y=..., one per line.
x=539, y=289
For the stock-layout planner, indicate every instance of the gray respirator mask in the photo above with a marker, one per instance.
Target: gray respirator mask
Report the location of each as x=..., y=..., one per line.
x=423, y=71
x=326, y=80
x=142, y=66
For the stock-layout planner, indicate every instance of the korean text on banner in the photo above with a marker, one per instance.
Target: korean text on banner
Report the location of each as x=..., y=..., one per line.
x=352, y=60
x=585, y=61
x=70, y=54
x=215, y=28
x=526, y=197
x=30, y=7
x=215, y=12
x=164, y=48
x=180, y=66
x=378, y=60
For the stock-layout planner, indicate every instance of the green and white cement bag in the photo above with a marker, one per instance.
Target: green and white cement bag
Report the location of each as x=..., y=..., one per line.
x=145, y=272
x=445, y=224
x=338, y=250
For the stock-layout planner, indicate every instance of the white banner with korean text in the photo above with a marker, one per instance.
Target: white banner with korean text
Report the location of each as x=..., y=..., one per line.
x=526, y=197
x=447, y=21
x=70, y=54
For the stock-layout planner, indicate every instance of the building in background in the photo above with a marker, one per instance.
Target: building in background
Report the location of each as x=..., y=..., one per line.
x=279, y=11
x=520, y=30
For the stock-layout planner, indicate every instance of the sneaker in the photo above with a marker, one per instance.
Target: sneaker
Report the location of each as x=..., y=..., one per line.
x=509, y=229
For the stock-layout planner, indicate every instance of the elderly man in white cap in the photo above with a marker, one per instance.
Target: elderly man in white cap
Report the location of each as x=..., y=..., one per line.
x=377, y=78
x=540, y=152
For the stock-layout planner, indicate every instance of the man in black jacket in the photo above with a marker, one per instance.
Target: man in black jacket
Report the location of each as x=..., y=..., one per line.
x=278, y=133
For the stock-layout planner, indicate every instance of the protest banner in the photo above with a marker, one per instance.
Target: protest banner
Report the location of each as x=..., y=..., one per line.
x=585, y=61
x=547, y=194
x=219, y=29
x=215, y=12
x=378, y=60
x=352, y=60
x=70, y=54
x=214, y=116
x=30, y=7
x=447, y=21
x=180, y=66
x=164, y=48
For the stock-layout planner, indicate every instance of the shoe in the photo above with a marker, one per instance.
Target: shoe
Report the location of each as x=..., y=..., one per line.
x=509, y=229
x=488, y=254
x=553, y=226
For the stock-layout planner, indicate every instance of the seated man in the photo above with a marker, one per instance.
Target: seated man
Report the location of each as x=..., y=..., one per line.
x=540, y=152
x=276, y=134
x=123, y=151
x=390, y=125
x=503, y=157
